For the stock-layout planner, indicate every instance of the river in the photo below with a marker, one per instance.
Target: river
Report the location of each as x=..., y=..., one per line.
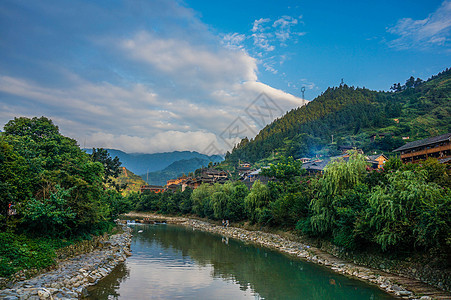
x=176, y=262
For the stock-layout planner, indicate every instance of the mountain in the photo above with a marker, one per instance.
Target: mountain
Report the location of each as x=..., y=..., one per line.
x=355, y=117
x=176, y=169
x=140, y=163
x=133, y=181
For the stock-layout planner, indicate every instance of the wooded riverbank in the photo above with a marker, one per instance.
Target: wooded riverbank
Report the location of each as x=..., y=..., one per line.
x=406, y=288
x=71, y=276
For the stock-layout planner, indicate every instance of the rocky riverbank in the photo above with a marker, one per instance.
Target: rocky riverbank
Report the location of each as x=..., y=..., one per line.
x=71, y=277
x=399, y=286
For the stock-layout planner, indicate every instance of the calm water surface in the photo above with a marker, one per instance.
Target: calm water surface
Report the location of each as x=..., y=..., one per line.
x=172, y=262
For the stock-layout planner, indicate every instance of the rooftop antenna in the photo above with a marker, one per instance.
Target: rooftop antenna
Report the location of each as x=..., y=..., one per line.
x=302, y=91
x=342, y=82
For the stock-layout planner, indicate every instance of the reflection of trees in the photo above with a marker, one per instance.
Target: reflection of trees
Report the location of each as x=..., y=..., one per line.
x=108, y=286
x=268, y=273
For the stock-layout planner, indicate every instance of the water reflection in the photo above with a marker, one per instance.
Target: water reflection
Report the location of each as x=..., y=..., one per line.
x=109, y=287
x=177, y=262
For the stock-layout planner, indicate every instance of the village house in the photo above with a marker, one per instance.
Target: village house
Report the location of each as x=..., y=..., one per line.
x=438, y=147
x=192, y=183
x=304, y=160
x=377, y=161
x=213, y=173
x=178, y=181
x=245, y=165
x=315, y=166
x=209, y=176
x=153, y=188
x=244, y=168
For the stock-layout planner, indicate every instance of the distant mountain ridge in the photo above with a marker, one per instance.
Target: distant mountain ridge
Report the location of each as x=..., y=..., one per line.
x=141, y=163
x=174, y=170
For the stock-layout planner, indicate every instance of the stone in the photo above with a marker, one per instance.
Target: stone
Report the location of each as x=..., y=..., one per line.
x=43, y=294
x=82, y=292
x=395, y=288
x=404, y=293
x=10, y=298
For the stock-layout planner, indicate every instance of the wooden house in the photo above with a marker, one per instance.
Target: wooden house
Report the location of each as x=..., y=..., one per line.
x=152, y=188
x=377, y=161
x=437, y=146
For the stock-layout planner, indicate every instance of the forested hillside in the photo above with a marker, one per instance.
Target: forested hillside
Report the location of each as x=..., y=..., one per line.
x=348, y=116
x=129, y=181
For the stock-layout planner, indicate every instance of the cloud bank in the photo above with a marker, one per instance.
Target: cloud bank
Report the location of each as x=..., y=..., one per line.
x=432, y=31
x=160, y=82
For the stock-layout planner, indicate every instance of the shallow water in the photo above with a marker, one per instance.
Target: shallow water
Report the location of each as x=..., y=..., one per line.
x=175, y=262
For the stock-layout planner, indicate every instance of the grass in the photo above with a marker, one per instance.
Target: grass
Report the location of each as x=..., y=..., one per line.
x=20, y=252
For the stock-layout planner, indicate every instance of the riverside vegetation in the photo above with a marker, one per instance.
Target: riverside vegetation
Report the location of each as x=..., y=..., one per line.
x=400, y=211
x=59, y=195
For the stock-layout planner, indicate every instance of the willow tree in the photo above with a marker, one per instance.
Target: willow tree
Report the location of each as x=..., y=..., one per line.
x=410, y=211
x=257, y=201
x=340, y=176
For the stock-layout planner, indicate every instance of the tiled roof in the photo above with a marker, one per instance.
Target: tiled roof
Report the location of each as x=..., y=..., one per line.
x=424, y=142
x=373, y=157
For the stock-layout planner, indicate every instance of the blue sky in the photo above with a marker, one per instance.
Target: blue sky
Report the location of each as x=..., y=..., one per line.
x=155, y=76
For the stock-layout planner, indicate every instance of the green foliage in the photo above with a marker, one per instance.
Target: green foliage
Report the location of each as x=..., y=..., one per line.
x=21, y=252
x=257, y=201
x=56, y=186
x=201, y=200
x=35, y=128
x=285, y=170
x=52, y=216
x=111, y=166
x=117, y=203
x=393, y=164
x=409, y=211
x=340, y=177
x=351, y=115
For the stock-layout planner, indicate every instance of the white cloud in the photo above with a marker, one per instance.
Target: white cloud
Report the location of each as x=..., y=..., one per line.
x=178, y=89
x=258, y=25
x=431, y=31
x=233, y=41
x=188, y=60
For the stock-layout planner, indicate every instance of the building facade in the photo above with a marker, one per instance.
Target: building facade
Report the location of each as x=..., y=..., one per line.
x=438, y=147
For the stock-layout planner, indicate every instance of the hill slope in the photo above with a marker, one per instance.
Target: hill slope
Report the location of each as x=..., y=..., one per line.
x=348, y=116
x=133, y=181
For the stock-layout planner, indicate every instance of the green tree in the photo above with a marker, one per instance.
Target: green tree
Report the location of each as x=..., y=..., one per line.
x=257, y=202
x=285, y=170
x=111, y=166
x=410, y=211
x=53, y=215
x=340, y=176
